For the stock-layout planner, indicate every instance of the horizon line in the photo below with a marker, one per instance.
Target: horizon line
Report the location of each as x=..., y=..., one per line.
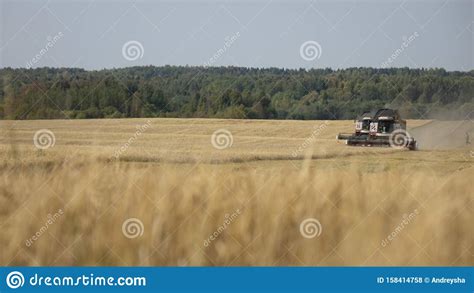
x=234, y=66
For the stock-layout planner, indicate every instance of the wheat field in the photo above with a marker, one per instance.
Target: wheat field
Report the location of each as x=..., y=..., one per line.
x=204, y=192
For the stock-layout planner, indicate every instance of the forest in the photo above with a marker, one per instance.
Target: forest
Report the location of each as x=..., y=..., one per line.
x=233, y=92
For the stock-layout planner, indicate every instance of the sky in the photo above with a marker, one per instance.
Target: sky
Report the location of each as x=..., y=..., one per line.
x=99, y=34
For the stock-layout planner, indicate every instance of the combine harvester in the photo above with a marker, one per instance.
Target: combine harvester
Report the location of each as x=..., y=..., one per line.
x=381, y=128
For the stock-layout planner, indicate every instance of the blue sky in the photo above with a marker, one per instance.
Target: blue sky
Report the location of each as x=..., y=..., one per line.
x=340, y=34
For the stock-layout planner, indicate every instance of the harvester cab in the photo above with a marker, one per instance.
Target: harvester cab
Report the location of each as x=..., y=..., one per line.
x=362, y=127
x=381, y=128
x=385, y=122
x=362, y=124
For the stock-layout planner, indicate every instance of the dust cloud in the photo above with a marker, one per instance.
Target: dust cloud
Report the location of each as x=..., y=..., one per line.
x=444, y=134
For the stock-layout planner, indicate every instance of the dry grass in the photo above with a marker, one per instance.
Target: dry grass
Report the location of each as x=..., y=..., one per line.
x=181, y=189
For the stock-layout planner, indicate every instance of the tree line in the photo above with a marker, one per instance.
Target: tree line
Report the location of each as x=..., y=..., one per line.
x=232, y=92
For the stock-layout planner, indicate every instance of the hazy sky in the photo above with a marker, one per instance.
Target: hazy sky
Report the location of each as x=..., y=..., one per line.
x=290, y=34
